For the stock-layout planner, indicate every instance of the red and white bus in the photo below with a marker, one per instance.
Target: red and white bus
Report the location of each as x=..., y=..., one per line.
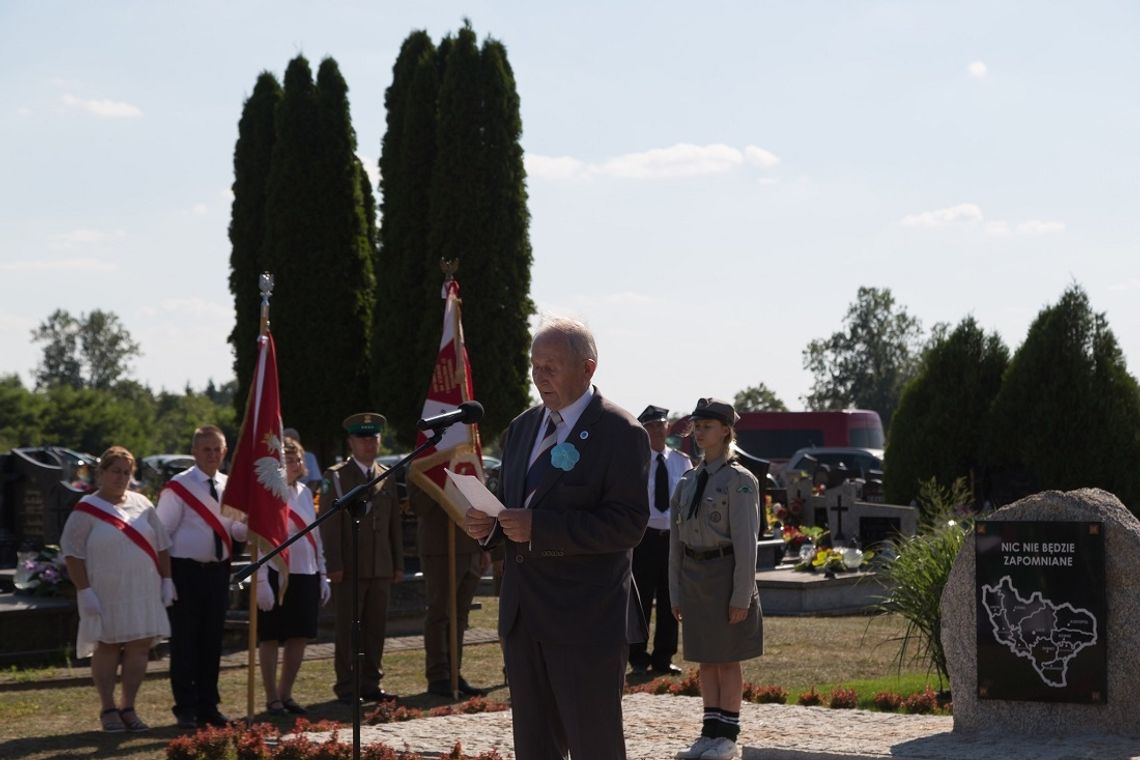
x=775, y=436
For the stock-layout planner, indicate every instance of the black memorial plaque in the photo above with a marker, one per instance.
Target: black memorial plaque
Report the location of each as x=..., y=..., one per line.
x=1040, y=590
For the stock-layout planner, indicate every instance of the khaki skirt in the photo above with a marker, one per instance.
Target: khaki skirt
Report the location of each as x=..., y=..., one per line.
x=706, y=587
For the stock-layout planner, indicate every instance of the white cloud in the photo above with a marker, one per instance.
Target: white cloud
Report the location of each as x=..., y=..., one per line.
x=968, y=213
x=1129, y=284
x=371, y=169
x=55, y=265
x=200, y=209
x=760, y=157
x=23, y=111
x=83, y=236
x=1038, y=227
x=554, y=167
x=104, y=109
x=978, y=70
x=677, y=161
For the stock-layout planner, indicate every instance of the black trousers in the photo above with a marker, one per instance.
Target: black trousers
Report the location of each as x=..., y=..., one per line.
x=651, y=574
x=197, y=622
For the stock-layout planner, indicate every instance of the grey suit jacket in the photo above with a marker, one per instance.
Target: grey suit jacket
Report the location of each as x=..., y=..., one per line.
x=573, y=582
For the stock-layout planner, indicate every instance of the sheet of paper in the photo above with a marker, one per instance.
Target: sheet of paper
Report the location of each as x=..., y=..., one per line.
x=475, y=493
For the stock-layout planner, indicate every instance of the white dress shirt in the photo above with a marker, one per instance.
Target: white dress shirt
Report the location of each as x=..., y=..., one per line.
x=191, y=536
x=570, y=415
x=676, y=465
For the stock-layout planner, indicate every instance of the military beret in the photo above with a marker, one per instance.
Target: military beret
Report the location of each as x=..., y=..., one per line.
x=364, y=423
x=653, y=414
x=715, y=409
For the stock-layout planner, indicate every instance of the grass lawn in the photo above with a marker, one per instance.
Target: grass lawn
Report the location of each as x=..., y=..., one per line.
x=45, y=722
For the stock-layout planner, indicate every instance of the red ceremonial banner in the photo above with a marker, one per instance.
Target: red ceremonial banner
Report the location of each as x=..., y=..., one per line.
x=460, y=450
x=257, y=484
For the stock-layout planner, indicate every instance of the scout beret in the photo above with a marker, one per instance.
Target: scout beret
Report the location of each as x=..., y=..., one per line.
x=715, y=409
x=364, y=423
x=653, y=414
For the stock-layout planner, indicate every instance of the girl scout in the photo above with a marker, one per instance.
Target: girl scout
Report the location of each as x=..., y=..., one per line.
x=712, y=576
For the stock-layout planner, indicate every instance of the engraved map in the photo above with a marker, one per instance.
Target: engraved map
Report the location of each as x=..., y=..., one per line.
x=1049, y=635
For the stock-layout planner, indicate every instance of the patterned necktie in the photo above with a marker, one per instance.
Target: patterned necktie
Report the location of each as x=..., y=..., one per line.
x=702, y=480
x=661, y=486
x=217, y=538
x=541, y=464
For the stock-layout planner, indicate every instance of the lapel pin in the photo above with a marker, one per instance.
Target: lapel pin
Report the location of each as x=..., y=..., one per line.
x=584, y=434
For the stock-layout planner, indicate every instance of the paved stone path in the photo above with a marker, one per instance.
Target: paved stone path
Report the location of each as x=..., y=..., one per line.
x=657, y=726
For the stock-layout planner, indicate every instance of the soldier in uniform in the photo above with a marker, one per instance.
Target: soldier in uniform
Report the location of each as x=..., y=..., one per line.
x=380, y=561
x=431, y=535
x=715, y=515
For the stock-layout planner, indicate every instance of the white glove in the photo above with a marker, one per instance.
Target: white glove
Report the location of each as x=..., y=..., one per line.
x=88, y=602
x=265, y=598
x=326, y=590
x=169, y=593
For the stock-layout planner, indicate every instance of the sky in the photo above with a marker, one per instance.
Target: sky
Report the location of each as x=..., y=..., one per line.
x=709, y=183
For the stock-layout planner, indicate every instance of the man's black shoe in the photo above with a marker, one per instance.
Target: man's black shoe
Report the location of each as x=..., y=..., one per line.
x=379, y=695
x=186, y=720
x=214, y=718
x=667, y=670
x=440, y=689
x=468, y=690
x=345, y=700
x=638, y=668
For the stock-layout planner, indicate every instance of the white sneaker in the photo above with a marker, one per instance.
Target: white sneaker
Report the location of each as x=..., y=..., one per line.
x=721, y=749
x=696, y=751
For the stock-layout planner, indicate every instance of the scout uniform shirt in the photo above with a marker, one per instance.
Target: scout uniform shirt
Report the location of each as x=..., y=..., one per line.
x=381, y=537
x=727, y=515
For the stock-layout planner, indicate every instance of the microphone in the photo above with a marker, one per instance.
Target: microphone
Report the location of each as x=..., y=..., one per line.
x=469, y=412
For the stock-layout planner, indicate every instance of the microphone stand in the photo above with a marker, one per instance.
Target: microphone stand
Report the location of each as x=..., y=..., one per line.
x=359, y=495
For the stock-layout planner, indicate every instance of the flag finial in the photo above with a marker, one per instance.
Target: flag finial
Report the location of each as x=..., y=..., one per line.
x=265, y=285
x=449, y=268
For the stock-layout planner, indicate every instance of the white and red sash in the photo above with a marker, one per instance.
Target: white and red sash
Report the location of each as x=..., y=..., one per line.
x=195, y=502
x=92, y=508
x=301, y=525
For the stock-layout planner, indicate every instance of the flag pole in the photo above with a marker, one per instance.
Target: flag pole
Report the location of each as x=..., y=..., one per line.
x=265, y=284
x=452, y=590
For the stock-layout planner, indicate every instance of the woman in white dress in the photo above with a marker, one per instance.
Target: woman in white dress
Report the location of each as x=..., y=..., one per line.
x=292, y=623
x=116, y=551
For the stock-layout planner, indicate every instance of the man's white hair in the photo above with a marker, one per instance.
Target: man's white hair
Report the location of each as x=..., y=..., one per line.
x=577, y=336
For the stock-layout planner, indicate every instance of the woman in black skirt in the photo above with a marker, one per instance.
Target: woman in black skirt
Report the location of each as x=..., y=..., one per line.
x=712, y=576
x=293, y=622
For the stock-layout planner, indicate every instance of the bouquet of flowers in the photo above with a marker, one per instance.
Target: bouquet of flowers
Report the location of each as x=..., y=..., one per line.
x=831, y=560
x=42, y=573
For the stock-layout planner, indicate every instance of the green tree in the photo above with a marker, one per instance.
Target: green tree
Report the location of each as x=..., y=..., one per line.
x=318, y=249
x=866, y=364
x=21, y=414
x=91, y=351
x=408, y=282
x=758, y=398
x=1068, y=412
x=252, y=155
x=939, y=428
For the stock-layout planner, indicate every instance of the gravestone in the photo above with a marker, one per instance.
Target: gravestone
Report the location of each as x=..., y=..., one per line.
x=850, y=516
x=38, y=488
x=1050, y=643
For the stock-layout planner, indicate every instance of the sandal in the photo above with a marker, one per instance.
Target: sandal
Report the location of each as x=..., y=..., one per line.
x=112, y=722
x=276, y=707
x=131, y=720
x=293, y=707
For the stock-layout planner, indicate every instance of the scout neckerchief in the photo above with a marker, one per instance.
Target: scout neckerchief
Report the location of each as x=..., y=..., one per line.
x=92, y=508
x=204, y=512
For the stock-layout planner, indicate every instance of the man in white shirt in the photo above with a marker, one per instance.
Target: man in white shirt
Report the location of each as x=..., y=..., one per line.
x=200, y=554
x=651, y=556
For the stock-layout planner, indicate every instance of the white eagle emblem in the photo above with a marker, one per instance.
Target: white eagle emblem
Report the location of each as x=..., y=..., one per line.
x=271, y=470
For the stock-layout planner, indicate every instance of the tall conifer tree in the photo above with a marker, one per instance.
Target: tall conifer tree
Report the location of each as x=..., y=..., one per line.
x=252, y=153
x=407, y=280
x=318, y=248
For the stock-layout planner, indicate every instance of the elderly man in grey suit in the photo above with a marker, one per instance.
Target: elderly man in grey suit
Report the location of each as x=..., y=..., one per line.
x=574, y=481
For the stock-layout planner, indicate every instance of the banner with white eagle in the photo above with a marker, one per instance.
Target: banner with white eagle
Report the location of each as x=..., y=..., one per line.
x=257, y=484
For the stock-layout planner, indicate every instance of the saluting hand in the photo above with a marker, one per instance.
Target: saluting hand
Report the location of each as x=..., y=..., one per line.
x=516, y=524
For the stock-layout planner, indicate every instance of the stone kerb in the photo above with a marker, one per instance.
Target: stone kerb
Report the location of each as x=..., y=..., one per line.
x=1119, y=716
